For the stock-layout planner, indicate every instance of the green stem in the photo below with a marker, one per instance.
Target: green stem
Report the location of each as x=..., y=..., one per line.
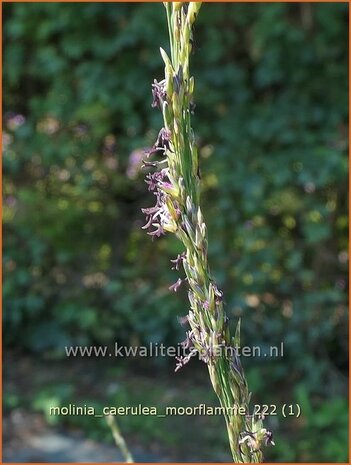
x=119, y=440
x=207, y=318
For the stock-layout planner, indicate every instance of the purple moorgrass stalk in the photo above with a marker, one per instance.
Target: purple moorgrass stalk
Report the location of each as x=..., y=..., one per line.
x=176, y=187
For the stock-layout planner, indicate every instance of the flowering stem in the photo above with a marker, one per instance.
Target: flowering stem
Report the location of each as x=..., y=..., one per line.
x=177, y=190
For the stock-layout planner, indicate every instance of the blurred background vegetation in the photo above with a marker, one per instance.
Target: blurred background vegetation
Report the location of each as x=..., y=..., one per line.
x=271, y=123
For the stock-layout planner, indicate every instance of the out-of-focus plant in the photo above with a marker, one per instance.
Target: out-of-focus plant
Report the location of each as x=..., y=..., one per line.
x=119, y=439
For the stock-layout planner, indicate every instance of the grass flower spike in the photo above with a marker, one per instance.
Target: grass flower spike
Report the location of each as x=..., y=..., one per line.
x=176, y=186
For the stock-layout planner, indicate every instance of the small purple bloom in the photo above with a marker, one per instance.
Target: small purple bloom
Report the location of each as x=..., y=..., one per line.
x=181, y=361
x=148, y=223
x=166, y=184
x=157, y=215
x=188, y=342
x=153, y=179
x=177, y=261
x=163, y=139
x=268, y=438
x=176, y=285
x=159, y=231
x=150, y=210
x=162, y=143
x=158, y=93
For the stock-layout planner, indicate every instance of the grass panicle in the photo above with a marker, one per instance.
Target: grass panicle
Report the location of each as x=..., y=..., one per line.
x=176, y=186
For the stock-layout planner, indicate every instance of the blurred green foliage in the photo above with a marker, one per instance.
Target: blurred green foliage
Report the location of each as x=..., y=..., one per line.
x=271, y=123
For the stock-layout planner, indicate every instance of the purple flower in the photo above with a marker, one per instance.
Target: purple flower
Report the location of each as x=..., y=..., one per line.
x=188, y=342
x=159, y=231
x=162, y=143
x=166, y=185
x=181, y=361
x=268, y=438
x=176, y=285
x=177, y=261
x=148, y=223
x=154, y=179
x=156, y=216
x=158, y=93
